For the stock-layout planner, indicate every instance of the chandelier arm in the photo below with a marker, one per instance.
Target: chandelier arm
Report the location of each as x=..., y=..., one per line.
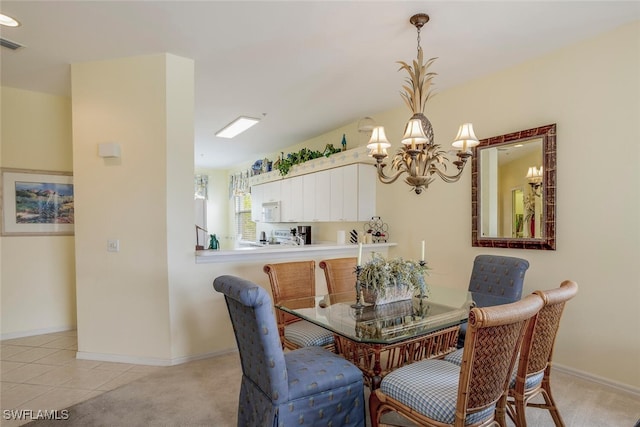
x=387, y=179
x=448, y=178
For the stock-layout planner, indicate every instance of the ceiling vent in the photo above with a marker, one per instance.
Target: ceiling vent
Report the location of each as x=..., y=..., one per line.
x=9, y=44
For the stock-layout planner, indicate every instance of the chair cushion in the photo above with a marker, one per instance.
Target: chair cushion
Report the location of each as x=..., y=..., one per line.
x=532, y=380
x=306, y=334
x=497, y=279
x=455, y=357
x=431, y=388
x=312, y=370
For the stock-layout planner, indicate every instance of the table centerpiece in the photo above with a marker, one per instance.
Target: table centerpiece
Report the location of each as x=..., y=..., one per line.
x=383, y=281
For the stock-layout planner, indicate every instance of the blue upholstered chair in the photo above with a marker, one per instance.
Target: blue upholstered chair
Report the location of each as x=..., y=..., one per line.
x=495, y=280
x=435, y=392
x=310, y=386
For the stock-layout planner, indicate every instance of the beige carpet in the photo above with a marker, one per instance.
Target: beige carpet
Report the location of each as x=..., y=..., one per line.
x=200, y=393
x=205, y=393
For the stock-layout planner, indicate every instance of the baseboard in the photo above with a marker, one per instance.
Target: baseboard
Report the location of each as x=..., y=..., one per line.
x=151, y=361
x=597, y=379
x=24, y=334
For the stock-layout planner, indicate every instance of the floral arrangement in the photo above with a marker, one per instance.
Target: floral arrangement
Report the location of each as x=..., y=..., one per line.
x=391, y=280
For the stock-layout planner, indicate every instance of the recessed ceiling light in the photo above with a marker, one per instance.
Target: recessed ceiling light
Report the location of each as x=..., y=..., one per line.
x=236, y=127
x=8, y=21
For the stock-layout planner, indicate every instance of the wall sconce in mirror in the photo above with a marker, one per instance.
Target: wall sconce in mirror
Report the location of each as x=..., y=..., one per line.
x=534, y=176
x=511, y=209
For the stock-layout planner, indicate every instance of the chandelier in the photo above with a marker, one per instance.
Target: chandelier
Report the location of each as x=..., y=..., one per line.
x=419, y=156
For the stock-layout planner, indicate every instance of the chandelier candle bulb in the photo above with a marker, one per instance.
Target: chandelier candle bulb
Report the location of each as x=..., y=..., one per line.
x=465, y=138
x=378, y=143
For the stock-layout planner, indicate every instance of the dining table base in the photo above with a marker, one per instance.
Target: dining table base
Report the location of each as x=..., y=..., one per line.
x=377, y=360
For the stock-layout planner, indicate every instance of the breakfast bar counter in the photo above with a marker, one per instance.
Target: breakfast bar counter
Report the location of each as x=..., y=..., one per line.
x=280, y=253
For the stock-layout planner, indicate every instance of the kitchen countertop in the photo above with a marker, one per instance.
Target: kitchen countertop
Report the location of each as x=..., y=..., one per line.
x=274, y=252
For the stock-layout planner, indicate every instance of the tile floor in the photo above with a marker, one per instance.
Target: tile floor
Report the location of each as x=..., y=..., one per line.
x=42, y=373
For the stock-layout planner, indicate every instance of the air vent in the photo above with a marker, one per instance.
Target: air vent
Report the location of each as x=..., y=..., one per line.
x=9, y=44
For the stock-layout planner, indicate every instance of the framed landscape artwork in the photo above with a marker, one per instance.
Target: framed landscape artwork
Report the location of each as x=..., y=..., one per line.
x=36, y=203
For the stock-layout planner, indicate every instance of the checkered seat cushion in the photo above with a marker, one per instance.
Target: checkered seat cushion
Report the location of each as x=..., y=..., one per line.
x=429, y=387
x=306, y=334
x=532, y=380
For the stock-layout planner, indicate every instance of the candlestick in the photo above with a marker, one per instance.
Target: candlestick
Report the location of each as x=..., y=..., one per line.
x=422, y=257
x=360, y=254
x=358, y=303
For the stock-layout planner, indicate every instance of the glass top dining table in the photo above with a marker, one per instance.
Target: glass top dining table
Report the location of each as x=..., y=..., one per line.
x=387, y=323
x=381, y=338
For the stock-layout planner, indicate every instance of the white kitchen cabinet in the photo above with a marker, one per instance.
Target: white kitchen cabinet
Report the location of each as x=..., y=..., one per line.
x=353, y=191
x=291, y=191
x=271, y=191
x=367, y=180
x=346, y=193
x=262, y=193
x=344, y=200
x=316, y=196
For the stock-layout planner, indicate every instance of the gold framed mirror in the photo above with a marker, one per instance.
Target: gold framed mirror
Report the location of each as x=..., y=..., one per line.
x=513, y=190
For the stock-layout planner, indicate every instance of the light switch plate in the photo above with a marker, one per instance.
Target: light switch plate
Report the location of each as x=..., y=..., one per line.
x=113, y=245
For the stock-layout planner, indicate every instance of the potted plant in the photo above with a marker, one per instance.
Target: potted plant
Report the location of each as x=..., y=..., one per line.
x=304, y=155
x=383, y=281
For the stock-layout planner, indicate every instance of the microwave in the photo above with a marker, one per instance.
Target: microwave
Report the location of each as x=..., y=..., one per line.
x=271, y=212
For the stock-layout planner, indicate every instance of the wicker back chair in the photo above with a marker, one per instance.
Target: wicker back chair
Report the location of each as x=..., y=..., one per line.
x=309, y=386
x=534, y=365
x=340, y=274
x=291, y=280
x=439, y=393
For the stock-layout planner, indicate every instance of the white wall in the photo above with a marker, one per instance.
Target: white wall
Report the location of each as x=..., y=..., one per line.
x=37, y=276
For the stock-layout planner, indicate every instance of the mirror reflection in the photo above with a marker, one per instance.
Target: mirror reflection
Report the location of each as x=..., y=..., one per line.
x=513, y=190
x=510, y=206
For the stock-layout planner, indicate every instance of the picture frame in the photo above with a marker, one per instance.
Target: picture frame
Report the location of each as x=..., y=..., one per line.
x=36, y=203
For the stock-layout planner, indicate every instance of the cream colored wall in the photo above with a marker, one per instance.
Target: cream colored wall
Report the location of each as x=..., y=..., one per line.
x=37, y=272
x=512, y=176
x=144, y=199
x=592, y=91
x=179, y=184
x=219, y=220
